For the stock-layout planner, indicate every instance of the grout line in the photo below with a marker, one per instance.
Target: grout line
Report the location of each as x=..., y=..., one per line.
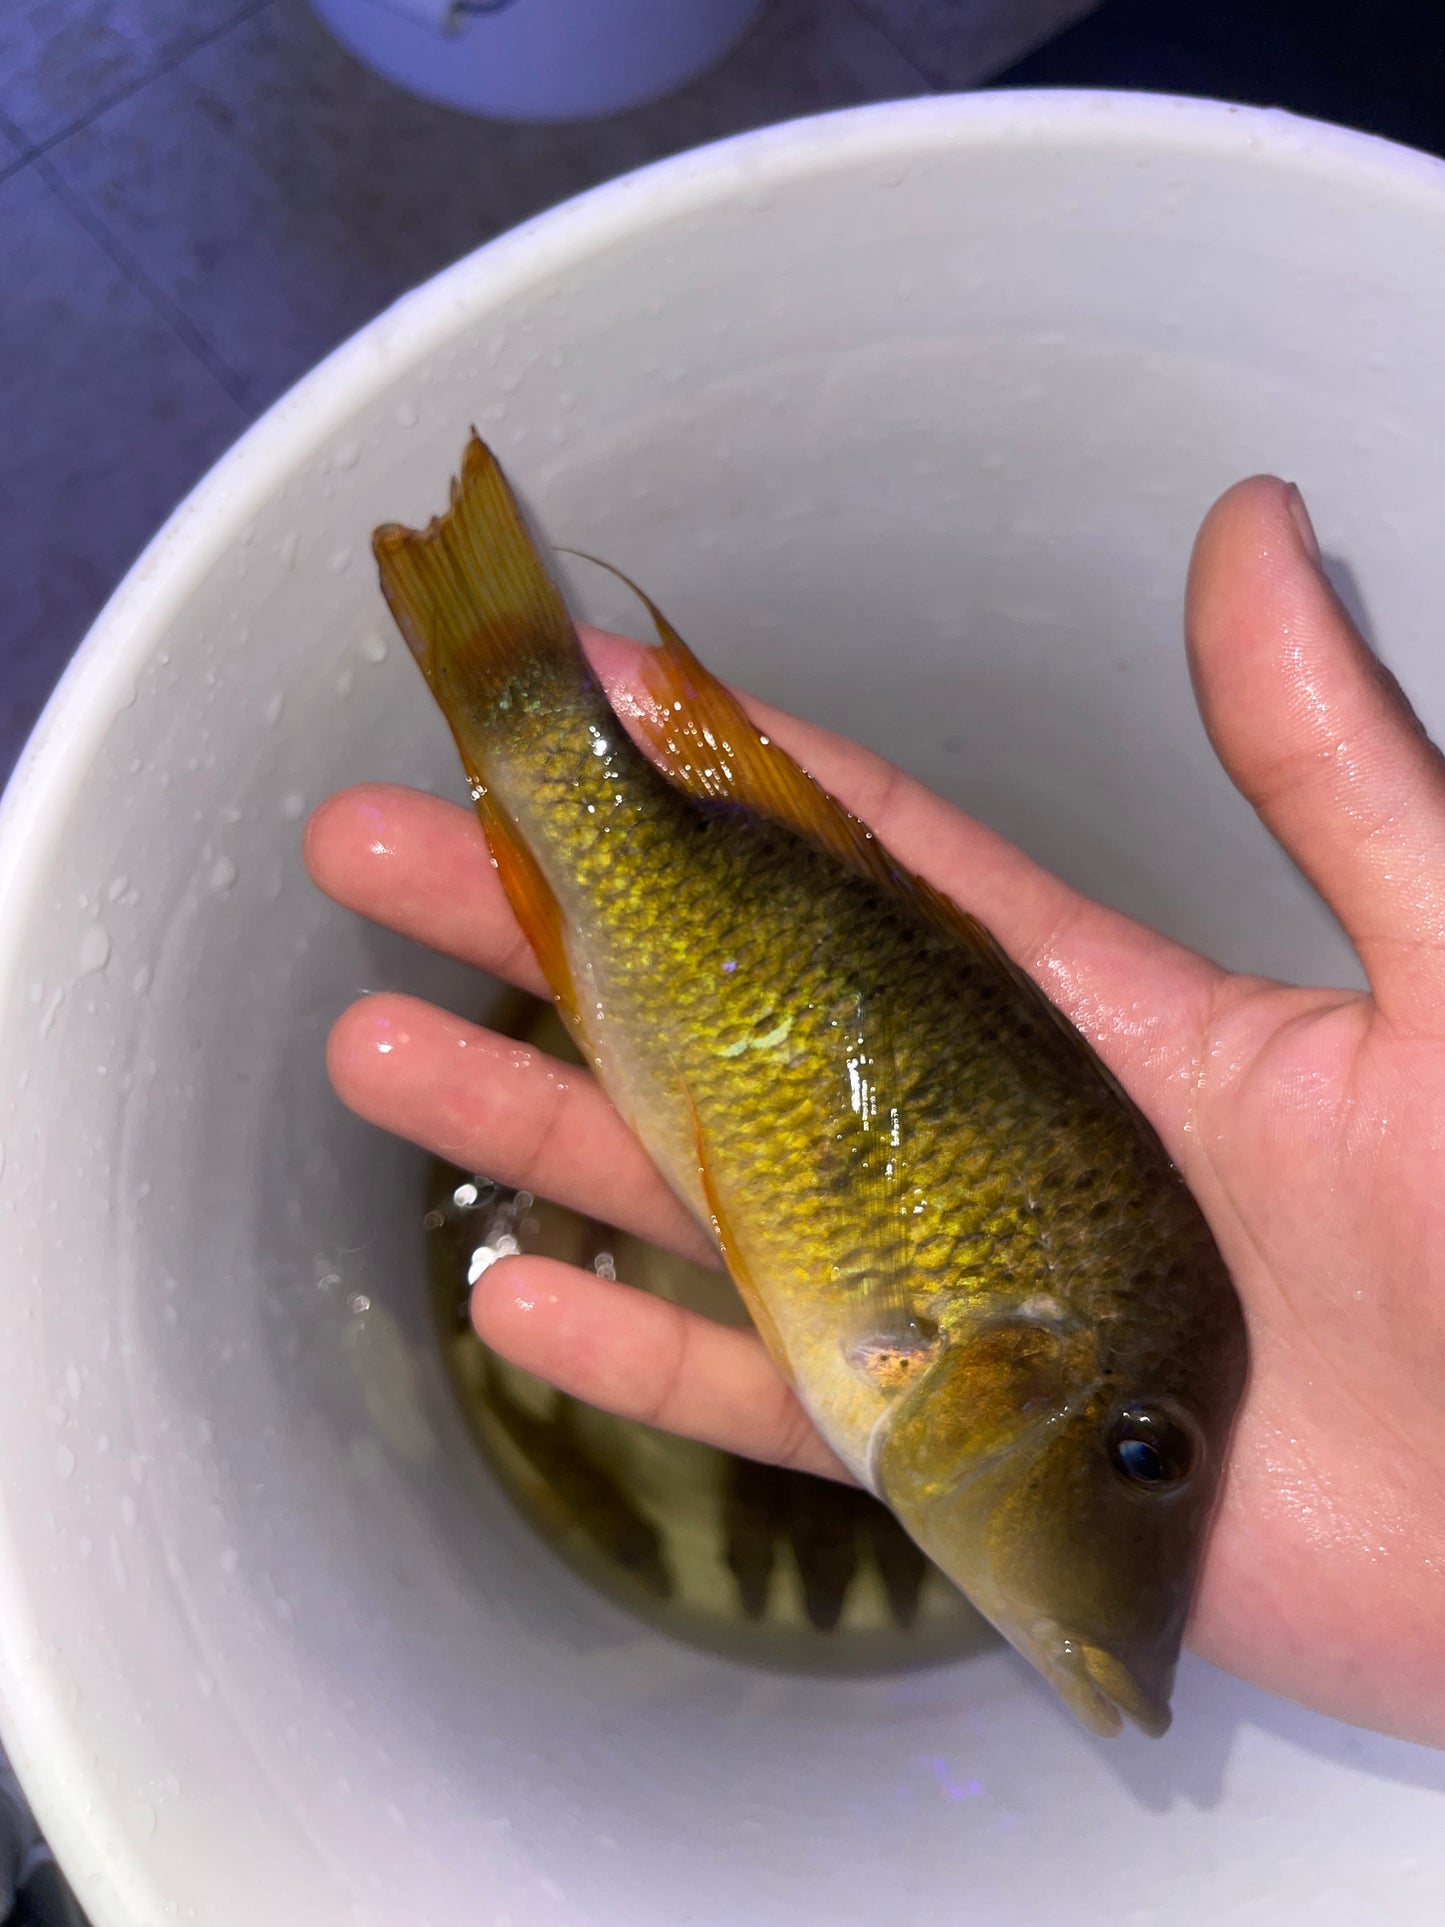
x=32, y=150
x=22, y=147
x=930, y=81
x=174, y=317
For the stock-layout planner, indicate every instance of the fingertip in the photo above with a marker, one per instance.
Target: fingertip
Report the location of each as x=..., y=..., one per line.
x=1252, y=522
x=364, y=1046
x=346, y=834
x=1256, y=591
x=520, y=1307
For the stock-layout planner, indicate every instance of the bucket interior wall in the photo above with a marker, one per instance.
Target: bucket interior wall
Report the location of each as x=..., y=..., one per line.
x=908, y=425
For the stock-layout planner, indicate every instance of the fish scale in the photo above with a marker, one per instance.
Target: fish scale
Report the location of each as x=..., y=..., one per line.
x=964, y=1244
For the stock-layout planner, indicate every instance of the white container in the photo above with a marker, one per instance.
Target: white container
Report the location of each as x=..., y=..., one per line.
x=539, y=59
x=907, y=416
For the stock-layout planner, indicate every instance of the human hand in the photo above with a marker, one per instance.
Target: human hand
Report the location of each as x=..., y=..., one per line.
x=1309, y=1123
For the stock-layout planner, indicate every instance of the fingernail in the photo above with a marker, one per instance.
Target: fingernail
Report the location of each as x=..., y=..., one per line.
x=1303, y=523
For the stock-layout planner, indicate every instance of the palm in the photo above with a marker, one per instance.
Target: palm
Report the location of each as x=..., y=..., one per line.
x=1304, y=1120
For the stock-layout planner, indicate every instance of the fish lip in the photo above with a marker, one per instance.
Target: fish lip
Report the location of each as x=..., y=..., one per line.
x=1096, y=1685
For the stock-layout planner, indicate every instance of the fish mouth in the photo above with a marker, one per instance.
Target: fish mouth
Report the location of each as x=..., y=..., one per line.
x=1096, y=1685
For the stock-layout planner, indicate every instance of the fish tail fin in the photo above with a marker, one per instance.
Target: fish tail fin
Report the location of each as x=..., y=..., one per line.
x=491, y=633
x=472, y=595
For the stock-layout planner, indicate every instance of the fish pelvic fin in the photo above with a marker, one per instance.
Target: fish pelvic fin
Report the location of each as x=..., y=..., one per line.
x=471, y=594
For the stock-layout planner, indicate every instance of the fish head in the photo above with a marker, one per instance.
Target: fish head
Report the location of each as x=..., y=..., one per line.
x=1070, y=1505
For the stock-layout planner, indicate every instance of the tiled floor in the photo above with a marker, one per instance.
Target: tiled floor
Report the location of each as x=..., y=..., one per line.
x=199, y=198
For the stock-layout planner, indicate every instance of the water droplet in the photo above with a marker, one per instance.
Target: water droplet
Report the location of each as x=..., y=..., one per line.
x=72, y=1381
x=145, y=1820
x=360, y=1304
x=223, y=874
x=892, y=173
x=289, y=548
x=125, y=696
x=406, y=414
x=248, y=535
x=341, y=560
x=293, y=806
x=230, y=1560
x=272, y=711
x=95, y=948
x=373, y=646
x=345, y=682
x=64, y=1461
x=115, y=889
x=127, y=1509
x=51, y=1012
x=140, y=983
x=346, y=455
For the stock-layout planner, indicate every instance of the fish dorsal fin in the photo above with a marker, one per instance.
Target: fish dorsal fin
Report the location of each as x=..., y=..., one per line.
x=703, y=740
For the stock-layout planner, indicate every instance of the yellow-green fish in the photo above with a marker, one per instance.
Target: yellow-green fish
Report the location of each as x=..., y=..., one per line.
x=960, y=1240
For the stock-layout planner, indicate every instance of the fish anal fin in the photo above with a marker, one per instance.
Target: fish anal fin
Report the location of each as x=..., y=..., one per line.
x=702, y=739
x=738, y=1268
x=534, y=904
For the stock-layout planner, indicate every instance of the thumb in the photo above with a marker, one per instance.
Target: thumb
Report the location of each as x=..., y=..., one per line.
x=1320, y=738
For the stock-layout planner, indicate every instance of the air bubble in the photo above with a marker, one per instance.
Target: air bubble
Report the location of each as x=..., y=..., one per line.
x=346, y=455
x=272, y=711
x=293, y=806
x=223, y=874
x=373, y=646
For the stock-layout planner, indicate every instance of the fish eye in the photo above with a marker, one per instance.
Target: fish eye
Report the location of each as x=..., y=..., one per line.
x=1153, y=1448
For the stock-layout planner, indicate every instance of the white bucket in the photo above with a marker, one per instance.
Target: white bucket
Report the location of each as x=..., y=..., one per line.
x=907, y=417
x=539, y=59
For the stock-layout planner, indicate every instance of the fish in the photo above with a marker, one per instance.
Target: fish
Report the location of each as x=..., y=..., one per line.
x=964, y=1245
